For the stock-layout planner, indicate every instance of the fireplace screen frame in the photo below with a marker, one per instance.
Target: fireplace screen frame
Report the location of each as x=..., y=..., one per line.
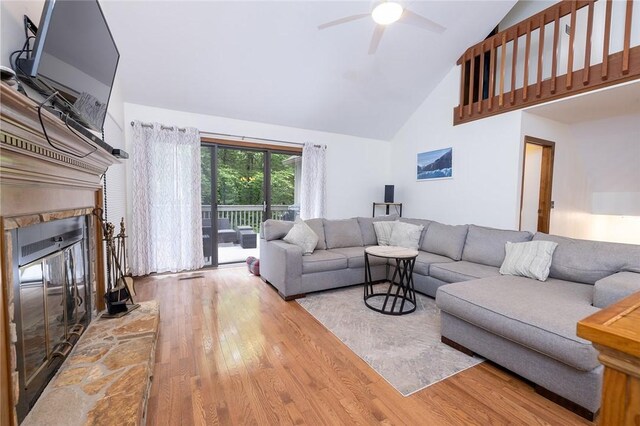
x=61, y=239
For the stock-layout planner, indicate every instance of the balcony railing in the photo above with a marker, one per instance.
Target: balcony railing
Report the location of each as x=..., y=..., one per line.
x=534, y=61
x=249, y=215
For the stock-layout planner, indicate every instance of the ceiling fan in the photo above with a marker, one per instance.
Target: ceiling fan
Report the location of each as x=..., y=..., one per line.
x=384, y=13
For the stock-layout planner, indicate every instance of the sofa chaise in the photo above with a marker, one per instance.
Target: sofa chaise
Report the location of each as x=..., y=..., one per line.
x=527, y=326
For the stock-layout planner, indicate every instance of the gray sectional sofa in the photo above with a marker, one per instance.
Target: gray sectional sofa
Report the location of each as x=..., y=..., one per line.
x=527, y=326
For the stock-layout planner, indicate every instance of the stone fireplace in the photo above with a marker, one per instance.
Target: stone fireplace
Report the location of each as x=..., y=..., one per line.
x=50, y=248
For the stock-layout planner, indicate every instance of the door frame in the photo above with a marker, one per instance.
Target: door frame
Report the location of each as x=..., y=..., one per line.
x=267, y=149
x=545, y=203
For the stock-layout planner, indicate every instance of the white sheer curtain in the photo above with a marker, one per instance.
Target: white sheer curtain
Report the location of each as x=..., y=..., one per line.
x=313, y=186
x=166, y=228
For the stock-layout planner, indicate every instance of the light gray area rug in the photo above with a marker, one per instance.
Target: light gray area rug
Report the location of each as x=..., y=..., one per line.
x=405, y=350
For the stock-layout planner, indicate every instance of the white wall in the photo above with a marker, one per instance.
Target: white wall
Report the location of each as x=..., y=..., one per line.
x=531, y=188
x=600, y=156
x=595, y=157
x=486, y=161
x=12, y=30
x=610, y=151
x=357, y=168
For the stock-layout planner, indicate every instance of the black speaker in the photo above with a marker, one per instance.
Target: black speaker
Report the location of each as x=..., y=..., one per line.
x=388, y=193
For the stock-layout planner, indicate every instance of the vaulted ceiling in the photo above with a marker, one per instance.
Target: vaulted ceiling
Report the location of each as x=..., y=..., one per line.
x=266, y=61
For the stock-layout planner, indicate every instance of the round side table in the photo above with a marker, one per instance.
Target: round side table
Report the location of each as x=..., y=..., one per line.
x=404, y=295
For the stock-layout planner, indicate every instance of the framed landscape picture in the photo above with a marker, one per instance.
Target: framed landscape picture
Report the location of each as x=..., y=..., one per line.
x=435, y=164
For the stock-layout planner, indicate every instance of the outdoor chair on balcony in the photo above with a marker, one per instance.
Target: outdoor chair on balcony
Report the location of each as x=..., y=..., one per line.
x=226, y=234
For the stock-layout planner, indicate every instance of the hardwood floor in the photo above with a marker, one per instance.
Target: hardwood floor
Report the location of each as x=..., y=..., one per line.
x=231, y=351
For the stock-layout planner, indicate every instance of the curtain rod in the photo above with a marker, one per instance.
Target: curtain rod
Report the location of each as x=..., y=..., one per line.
x=182, y=129
x=150, y=126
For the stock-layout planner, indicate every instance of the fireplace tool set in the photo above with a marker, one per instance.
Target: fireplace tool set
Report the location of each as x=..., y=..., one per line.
x=120, y=286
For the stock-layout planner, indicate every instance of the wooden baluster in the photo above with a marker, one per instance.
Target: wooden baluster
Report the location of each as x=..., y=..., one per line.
x=462, y=76
x=554, y=59
x=481, y=78
x=627, y=38
x=471, y=71
x=540, y=49
x=527, y=52
x=503, y=57
x=587, y=46
x=572, y=36
x=514, y=62
x=607, y=38
x=492, y=71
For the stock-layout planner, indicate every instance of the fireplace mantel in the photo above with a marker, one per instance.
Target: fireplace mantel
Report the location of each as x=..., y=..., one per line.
x=39, y=183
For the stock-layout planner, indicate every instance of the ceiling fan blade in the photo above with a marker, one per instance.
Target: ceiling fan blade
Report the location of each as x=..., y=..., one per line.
x=343, y=20
x=375, y=39
x=412, y=18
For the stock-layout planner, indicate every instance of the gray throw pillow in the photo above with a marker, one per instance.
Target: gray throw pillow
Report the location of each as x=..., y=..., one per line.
x=383, y=232
x=302, y=236
x=406, y=235
x=530, y=259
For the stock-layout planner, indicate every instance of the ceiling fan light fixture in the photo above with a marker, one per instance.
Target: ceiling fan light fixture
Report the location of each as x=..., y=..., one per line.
x=387, y=13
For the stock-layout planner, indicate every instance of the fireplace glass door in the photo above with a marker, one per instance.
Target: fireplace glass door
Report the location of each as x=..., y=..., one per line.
x=77, y=285
x=53, y=300
x=34, y=327
x=53, y=306
x=55, y=278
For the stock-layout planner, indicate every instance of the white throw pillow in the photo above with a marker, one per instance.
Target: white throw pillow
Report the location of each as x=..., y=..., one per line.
x=406, y=235
x=529, y=259
x=383, y=231
x=302, y=236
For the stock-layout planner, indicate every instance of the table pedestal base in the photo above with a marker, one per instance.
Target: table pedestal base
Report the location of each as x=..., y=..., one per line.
x=400, y=297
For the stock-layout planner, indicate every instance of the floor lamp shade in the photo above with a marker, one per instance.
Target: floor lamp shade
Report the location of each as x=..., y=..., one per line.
x=388, y=193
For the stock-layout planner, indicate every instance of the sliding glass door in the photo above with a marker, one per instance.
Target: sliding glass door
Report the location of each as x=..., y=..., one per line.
x=242, y=187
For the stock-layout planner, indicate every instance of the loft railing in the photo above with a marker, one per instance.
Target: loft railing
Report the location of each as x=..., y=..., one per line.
x=247, y=215
x=534, y=61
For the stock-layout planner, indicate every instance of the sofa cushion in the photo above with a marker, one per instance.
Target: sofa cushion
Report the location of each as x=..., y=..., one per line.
x=275, y=229
x=369, y=237
x=530, y=259
x=355, y=257
x=425, y=260
x=406, y=235
x=446, y=240
x=454, y=272
x=318, y=227
x=323, y=260
x=589, y=261
x=302, y=236
x=486, y=245
x=616, y=287
x=541, y=317
x=342, y=233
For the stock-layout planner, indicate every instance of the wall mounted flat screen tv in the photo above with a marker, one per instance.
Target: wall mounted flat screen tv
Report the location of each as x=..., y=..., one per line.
x=74, y=54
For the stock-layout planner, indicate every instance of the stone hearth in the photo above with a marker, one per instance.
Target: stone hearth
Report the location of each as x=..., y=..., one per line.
x=107, y=377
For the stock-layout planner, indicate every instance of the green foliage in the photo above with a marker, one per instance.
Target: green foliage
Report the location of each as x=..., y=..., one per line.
x=241, y=177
